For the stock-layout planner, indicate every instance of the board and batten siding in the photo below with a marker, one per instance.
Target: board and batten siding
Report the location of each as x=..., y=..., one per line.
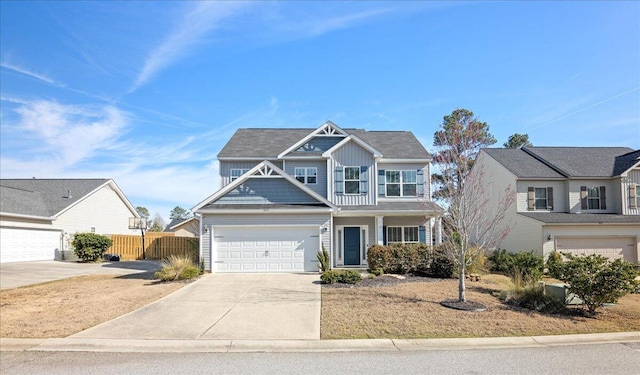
x=560, y=203
x=320, y=186
x=406, y=167
x=226, y=166
x=270, y=190
x=255, y=220
x=632, y=179
x=352, y=155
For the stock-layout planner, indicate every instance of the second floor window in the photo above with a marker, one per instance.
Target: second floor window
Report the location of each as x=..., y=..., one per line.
x=307, y=175
x=541, y=198
x=235, y=173
x=352, y=180
x=401, y=183
x=593, y=198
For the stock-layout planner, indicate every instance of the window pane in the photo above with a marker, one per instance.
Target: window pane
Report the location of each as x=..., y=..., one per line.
x=352, y=173
x=312, y=172
x=594, y=192
x=637, y=196
x=352, y=187
x=311, y=180
x=393, y=176
x=594, y=204
x=393, y=190
x=408, y=190
x=409, y=176
x=394, y=234
x=411, y=234
x=541, y=193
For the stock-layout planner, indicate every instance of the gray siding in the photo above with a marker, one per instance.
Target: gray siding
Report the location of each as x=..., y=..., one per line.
x=352, y=155
x=404, y=167
x=321, y=144
x=266, y=191
x=633, y=178
x=227, y=166
x=320, y=186
x=209, y=221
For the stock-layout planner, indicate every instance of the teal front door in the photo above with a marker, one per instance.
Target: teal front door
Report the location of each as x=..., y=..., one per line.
x=352, y=246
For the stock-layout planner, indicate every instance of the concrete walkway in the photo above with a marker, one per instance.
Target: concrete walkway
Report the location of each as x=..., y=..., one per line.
x=225, y=306
x=13, y=275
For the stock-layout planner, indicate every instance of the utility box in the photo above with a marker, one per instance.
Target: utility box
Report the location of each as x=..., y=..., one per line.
x=560, y=293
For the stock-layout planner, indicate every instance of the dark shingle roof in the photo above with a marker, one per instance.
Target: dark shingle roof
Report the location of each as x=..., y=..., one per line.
x=558, y=162
x=43, y=197
x=566, y=218
x=268, y=143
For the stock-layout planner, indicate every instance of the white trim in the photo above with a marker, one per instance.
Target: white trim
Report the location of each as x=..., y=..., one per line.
x=210, y=211
x=322, y=127
x=363, y=246
x=245, y=158
x=305, y=176
x=402, y=227
x=360, y=142
x=20, y=216
x=264, y=168
x=344, y=179
x=183, y=222
x=626, y=173
x=392, y=160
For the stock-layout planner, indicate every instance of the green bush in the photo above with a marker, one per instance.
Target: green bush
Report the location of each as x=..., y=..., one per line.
x=377, y=271
x=554, y=265
x=522, y=267
x=532, y=297
x=178, y=268
x=90, y=246
x=500, y=261
x=442, y=266
x=597, y=280
x=323, y=259
x=399, y=258
x=476, y=261
x=340, y=276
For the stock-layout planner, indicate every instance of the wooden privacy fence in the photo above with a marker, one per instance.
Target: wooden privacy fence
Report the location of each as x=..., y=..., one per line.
x=158, y=245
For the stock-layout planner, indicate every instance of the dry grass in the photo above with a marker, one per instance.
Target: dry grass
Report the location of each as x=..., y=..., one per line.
x=413, y=310
x=62, y=308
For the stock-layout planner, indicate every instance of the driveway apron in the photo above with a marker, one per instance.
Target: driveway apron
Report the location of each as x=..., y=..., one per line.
x=226, y=306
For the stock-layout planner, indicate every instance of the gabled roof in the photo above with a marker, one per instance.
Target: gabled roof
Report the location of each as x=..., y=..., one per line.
x=175, y=223
x=566, y=162
x=263, y=169
x=268, y=144
x=356, y=140
x=48, y=198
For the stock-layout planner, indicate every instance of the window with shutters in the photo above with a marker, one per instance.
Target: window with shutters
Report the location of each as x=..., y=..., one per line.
x=401, y=183
x=593, y=198
x=403, y=235
x=352, y=180
x=541, y=198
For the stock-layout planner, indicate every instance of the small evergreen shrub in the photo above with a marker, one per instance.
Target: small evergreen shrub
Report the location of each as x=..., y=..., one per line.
x=340, y=276
x=525, y=267
x=323, y=259
x=500, y=261
x=377, y=271
x=532, y=297
x=554, y=265
x=178, y=268
x=442, y=266
x=476, y=261
x=90, y=246
x=399, y=258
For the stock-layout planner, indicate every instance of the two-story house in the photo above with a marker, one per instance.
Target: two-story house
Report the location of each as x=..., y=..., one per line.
x=581, y=200
x=286, y=193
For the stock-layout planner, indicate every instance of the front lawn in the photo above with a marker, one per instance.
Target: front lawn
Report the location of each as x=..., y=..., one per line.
x=413, y=310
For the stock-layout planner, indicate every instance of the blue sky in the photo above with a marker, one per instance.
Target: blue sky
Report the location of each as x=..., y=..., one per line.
x=148, y=92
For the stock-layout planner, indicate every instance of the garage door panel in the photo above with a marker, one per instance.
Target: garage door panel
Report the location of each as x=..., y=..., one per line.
x=609, y=247
x=266, y=249
x=24, y=244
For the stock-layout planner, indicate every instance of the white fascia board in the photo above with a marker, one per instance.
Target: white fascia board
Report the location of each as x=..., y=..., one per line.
x=182, y=223
x=311, y=135
x=392, y=160
x=115, y=188
x=289, y=157
x=363, y=144
x=279, y=173
x=21, y=216
x=246, y=158
x=210, y=211
x=626, y=173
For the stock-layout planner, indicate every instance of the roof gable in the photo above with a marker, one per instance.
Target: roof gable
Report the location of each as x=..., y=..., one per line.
x=48, y=198
x=356, y=140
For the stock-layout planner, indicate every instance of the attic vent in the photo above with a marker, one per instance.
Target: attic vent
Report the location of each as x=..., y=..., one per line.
x=68, y=196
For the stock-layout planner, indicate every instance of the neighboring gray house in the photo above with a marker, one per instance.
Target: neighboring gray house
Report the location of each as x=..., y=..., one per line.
x=288, y=192
x=582, y=200
x=38, y=217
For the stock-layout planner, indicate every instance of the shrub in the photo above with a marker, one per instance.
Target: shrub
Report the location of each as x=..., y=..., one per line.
x=377, y=271
x=323, y=259
x=500, y=261
x=442, y=266
x=532, y=297
x=476, y=261
x=554, y=265
x=597, y=280
x=399, y=258
x=177, y=268
x=340, y=276
x=90, y=246
x=523, y=267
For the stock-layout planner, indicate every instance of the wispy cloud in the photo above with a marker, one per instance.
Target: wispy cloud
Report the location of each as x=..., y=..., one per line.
x=27, y=72
x=190, y=31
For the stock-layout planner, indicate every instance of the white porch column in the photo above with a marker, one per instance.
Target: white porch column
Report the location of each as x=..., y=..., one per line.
x=438, y=231
x=379, y=230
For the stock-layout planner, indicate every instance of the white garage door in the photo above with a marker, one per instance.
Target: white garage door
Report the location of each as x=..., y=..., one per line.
x=20, y=245
x=266, y=249
x=610, y=247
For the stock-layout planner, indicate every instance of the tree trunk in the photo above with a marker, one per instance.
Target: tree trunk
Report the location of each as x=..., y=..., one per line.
x=461, y=280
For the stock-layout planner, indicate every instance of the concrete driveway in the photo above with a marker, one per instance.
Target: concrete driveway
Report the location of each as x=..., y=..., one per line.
x=226, y=306
x=18, y=274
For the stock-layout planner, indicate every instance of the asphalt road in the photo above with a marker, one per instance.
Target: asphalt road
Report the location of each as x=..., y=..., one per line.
x=615, y=358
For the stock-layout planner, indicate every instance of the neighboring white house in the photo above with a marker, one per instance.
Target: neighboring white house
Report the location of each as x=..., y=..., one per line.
x=286, y=193
x=38, y=217
x=582, y=200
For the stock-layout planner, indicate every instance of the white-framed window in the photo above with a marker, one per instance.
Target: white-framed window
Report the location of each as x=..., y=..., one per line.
x=403, y=235
x=593, y=198
x=541, y=198
x=401, y=183
x=638, y=196
x=237, y=172
x=352, y=180
x=306, y=175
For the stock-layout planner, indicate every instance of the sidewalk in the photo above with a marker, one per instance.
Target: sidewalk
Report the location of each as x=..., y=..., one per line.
x=255, y=346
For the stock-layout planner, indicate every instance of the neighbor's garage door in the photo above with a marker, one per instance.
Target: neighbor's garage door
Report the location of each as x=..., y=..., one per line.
x=19, y=245
x=610, y=247
x=266, y=249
